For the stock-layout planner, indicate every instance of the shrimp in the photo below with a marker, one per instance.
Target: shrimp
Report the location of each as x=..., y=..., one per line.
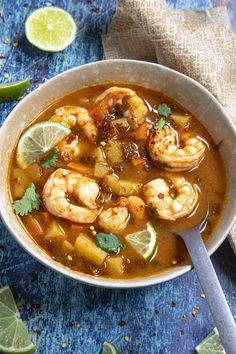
x=163, y=150
x=116, y=218
x=113, y=219
x=167, y=204
x=72, y=116
x=123, y=103
x=63, y=183
x=135, y=205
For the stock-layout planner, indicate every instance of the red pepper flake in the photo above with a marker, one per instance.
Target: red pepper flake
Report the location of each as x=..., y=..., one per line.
x=96, y=10
x=122, y=323
x=194, y=314
x=70, y=324
x=37, y=331
x=34, y=276
x=35, y=306
x=161, y=196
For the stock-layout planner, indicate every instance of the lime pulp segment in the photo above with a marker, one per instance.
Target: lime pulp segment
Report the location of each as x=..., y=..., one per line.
x=109, y=348
x=14, y=336
x=144, y=242
x=11, y=91
x=211, y=344
x=38, y=140
x=50, y=29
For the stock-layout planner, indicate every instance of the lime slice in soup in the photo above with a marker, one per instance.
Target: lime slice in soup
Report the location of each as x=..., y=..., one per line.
x=211, y=344
x=38, y=140
x=144, y=242
x=109, y=348
x=50, y=29
x=14, y=336
x=11, y=91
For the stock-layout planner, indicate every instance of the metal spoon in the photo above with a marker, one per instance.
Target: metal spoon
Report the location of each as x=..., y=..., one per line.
x=215, y=297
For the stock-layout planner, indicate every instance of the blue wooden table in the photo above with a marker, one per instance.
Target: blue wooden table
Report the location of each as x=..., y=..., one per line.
x=64, y=316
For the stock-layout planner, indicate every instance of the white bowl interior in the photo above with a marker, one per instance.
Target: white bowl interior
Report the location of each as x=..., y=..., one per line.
x=181, y=88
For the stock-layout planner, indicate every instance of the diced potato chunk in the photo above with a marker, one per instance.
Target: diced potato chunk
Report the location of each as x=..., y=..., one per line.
x=122, y=187
x=114, y=152
x=181, y=119
x=20, y=182
x=101, y=169
x=99, y=154
x=33, y=172
x=115, y=265
x=86, y=248
x=55, y=232
x=67, y=247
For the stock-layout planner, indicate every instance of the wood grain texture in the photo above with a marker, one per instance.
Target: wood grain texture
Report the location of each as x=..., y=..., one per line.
x=158, y=319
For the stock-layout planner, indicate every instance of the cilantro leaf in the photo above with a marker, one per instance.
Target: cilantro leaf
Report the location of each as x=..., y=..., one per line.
x=164, y=110
x=52, y=159
x=29, y=202
x=160, y=124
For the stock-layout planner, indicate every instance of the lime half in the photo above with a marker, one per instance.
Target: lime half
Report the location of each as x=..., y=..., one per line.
x=144, y=242
x=211, y=344
x=50, y=29
x=14, y=336
x=11, y=91
x=38, y=140
x=109, y=348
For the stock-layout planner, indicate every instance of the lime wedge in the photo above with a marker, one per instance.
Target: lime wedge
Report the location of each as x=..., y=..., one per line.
x=144, y=242
x=38, y=140
x=109, y=348
x=11, y=91
x=50, y=29
x=211, y=344
x=14, y=337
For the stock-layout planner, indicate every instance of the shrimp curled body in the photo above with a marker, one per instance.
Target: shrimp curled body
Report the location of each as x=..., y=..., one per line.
x=63, y=183
x=128, y=104
x=116, y=218
x=157, y=195
x=164, y=151
x=72, y=116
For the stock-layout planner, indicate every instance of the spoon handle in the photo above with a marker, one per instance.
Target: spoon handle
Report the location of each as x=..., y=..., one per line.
x=215, y=297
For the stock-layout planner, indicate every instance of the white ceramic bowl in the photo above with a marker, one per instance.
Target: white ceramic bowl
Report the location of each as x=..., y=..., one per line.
x=186, y=91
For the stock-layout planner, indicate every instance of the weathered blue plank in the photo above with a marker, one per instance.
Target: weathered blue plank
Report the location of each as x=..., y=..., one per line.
x=158, y=319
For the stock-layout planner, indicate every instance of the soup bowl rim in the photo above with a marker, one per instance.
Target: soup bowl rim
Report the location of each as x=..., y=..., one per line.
x=102, y=281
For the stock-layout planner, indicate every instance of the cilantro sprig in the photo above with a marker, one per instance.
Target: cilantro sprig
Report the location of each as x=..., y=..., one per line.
x=160, y=124
x=51, y=160
x=164, y=112
x=29, y=202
